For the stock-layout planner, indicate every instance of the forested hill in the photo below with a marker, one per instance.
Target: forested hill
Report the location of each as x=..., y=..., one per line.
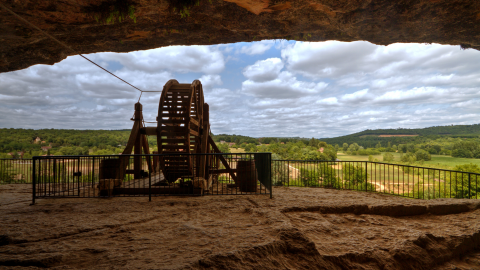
x=369, y=138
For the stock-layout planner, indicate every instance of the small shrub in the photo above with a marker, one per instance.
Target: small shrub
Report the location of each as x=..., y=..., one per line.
x=387, y=157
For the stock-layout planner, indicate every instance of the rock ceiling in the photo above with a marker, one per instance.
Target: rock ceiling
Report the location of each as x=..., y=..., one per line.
x=90, y=26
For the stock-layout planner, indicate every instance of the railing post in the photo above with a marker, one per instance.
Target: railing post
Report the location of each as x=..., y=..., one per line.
x=33, y=182
x=271, y=182
x=366, y=176
x=288, y=173
x=469, y=185
x=149, y=186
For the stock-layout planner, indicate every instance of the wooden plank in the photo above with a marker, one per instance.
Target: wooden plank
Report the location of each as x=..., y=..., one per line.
x=174, y=146
x=137, y=160
x=173, y=140
x=174, y=128
x=177, y=135
x=175, y=168
x=173, y=115
x=222, y=158
x=204, y=142
x=219, y=171
x=175, y=110
x=131, y=140
x=148, y=131
x=173, y=121
x=175, y=163
x=194, y=121
x=194, y=133
x=174, y=157
x=146, y=151
x=175, y=98
x=158, y=190
x=181, y=86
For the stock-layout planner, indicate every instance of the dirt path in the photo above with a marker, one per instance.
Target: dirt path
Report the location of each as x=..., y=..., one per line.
x=301, y=228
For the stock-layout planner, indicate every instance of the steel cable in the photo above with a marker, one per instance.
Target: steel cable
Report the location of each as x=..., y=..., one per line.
x=71, y=49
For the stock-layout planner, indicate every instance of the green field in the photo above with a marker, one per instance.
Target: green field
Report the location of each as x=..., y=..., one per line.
x=438, y=161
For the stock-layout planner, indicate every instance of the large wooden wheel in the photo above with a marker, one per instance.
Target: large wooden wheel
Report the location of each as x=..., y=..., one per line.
x=179, y=126
x=182, y=128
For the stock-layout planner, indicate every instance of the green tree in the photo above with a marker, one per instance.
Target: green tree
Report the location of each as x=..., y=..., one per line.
x=223, y=147
x=408, y=158
x=466, y=185
x=354, y=175
x=279, y=171
x=328, y=176
x=411, y=147
x=423, y=155
x=345, y=147
x=251, y=148
x=313, y=142
x=309, y=178
x=353, y=147
x=322, y=144
x=388, y=157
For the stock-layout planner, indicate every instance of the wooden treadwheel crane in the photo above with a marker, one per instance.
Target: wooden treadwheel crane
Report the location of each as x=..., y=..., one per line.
x=183, y=128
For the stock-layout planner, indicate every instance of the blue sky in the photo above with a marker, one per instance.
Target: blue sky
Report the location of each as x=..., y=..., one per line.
x=265, y=88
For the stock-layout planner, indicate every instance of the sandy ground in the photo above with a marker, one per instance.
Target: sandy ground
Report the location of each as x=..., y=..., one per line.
x=300, y=228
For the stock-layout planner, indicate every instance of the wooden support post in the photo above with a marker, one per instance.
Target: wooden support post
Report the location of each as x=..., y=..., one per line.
x=222, y=159
x=137, y=160
x=146, y=151
x=204, y=142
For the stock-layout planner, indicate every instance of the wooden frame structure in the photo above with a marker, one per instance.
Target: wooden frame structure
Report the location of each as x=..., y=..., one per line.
x=183, y=128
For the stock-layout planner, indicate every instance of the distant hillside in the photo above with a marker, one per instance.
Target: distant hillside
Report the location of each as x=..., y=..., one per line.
x=369, y=138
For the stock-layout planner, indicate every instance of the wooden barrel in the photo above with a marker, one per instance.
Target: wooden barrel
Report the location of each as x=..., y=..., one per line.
x=109, y=168
x=246, y=176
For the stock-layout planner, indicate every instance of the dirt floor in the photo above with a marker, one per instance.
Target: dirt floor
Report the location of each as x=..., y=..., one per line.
x=300, y=228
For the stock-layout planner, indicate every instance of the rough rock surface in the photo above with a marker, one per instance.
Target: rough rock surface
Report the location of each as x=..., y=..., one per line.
x=74, y=22
x=300, y=228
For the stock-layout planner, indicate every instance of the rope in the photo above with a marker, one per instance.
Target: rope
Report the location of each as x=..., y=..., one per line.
x=71, y=49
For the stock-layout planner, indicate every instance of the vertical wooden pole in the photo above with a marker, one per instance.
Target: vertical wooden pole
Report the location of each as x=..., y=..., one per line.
x=137, y=160
x=204, y=142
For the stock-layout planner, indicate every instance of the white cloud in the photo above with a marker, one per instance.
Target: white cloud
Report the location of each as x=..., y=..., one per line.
x=208, y=81
x=181, y=59
x=284, y=86
x=257, y=47
x=327, y=59
x=356, y=97
x=328, y=101
x=264, y=70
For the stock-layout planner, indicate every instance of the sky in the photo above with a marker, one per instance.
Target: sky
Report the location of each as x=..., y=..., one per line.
x=260, y=89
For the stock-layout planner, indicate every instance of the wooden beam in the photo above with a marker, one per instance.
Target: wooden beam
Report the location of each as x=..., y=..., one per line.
x=222, y=158
x=204, y=143
x=219, y=171
x=194, y=121
x=146, y=151
x=180, y=86
x=194, y=133
x=152, y=131
x=158, y=190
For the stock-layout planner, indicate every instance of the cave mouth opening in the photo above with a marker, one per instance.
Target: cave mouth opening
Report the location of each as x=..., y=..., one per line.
x=260, y=89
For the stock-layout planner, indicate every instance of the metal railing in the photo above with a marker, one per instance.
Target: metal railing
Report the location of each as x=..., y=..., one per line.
x=15, y=171
x=401, y=180
x=55, y=176
x=152, y=175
